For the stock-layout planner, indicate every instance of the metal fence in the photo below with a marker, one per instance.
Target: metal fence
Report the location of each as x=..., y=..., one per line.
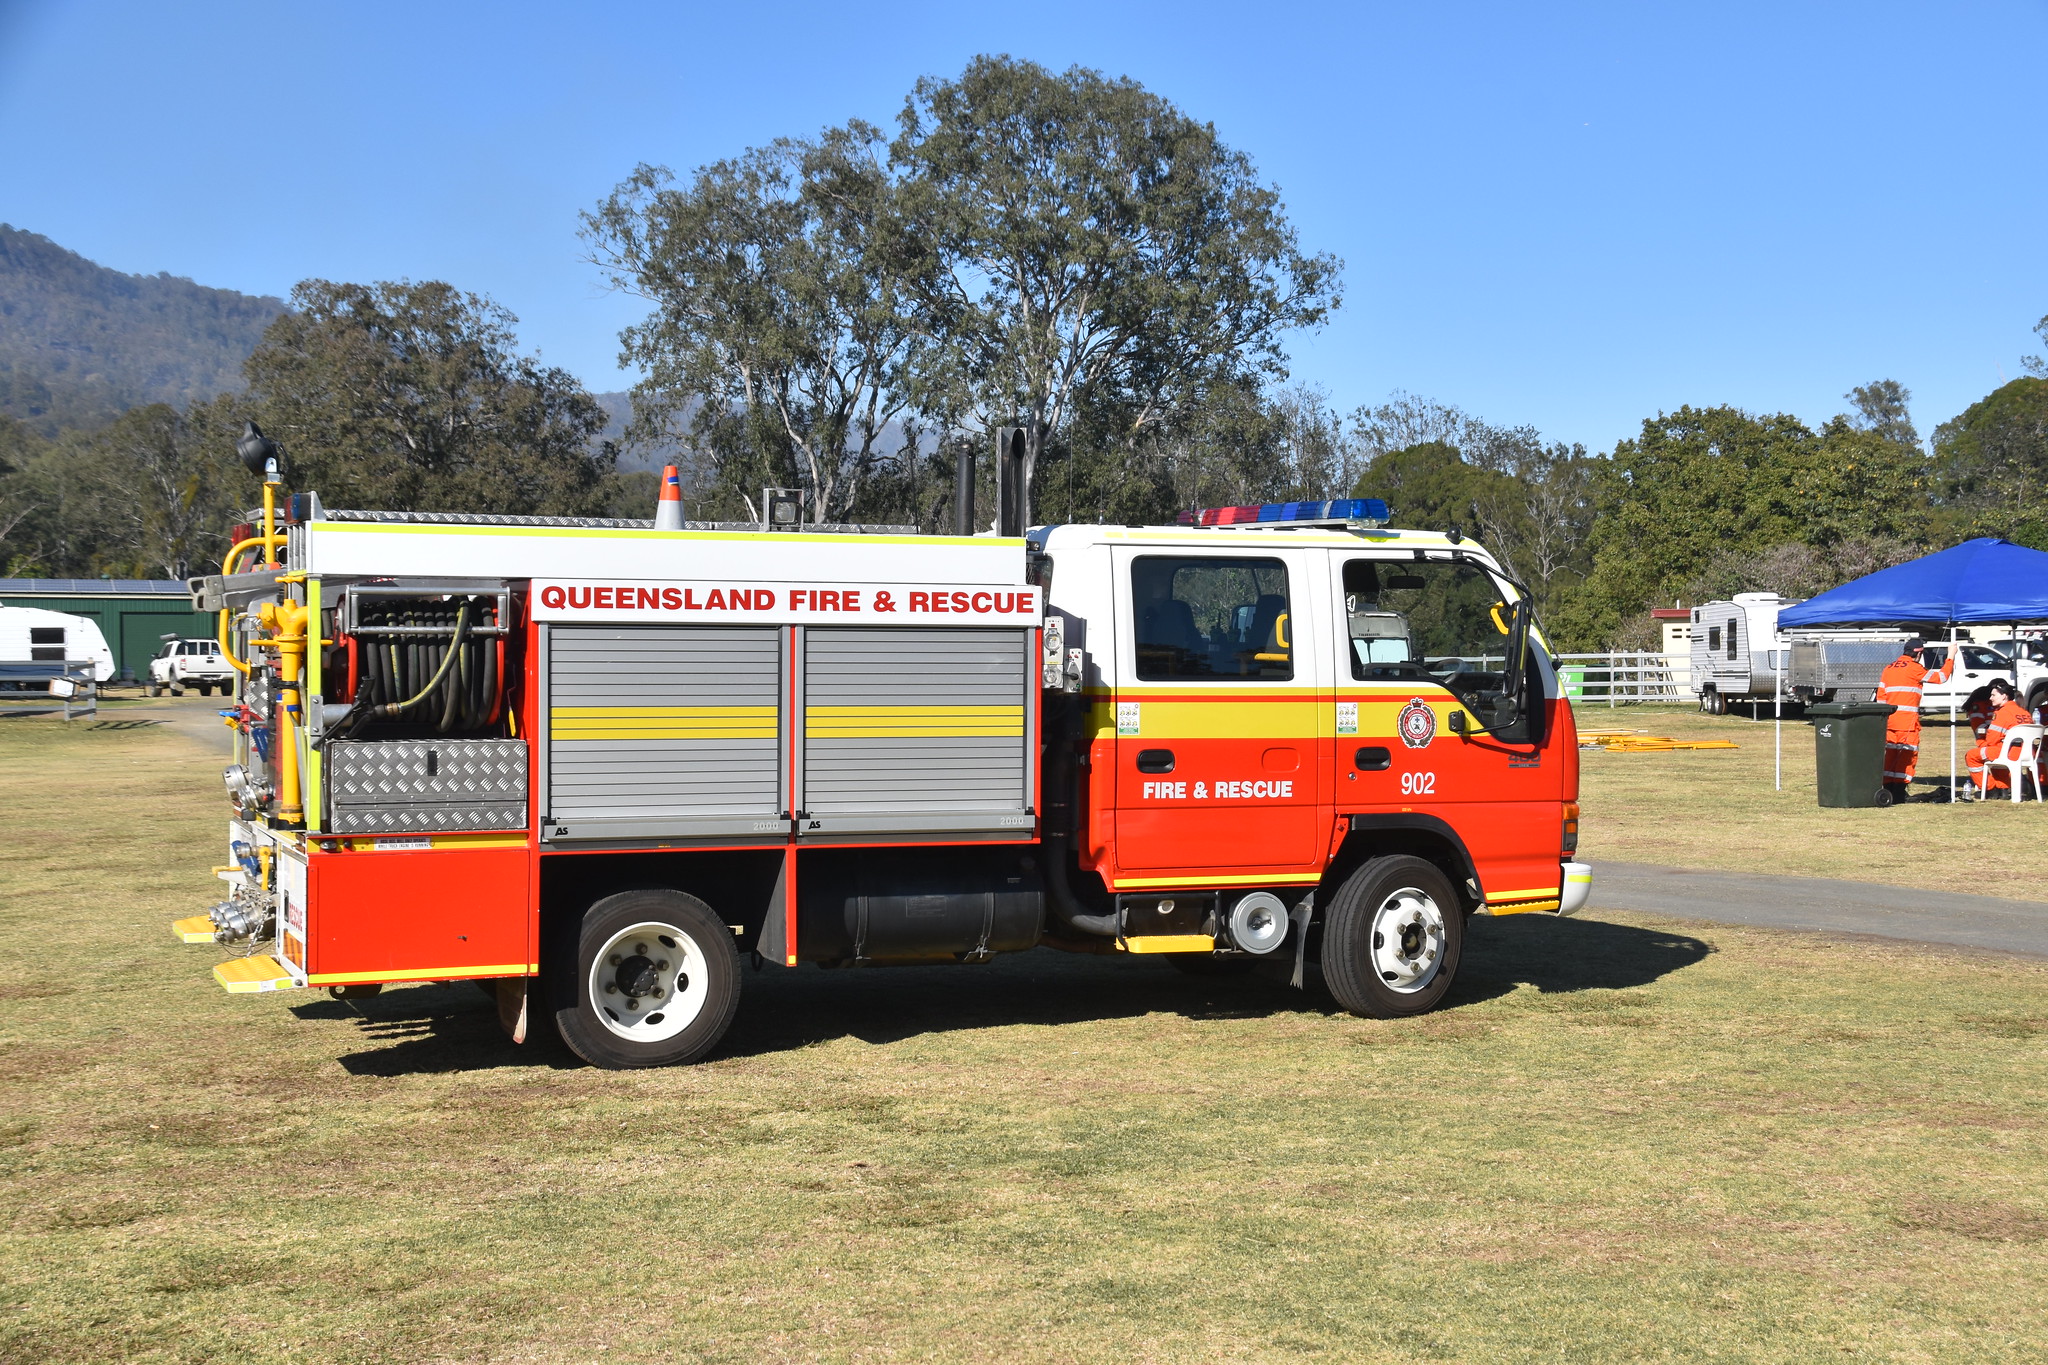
x=1624, y=678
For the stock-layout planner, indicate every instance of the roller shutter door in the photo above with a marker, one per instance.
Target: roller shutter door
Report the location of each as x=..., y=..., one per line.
x=915, y=729
x=664, y=730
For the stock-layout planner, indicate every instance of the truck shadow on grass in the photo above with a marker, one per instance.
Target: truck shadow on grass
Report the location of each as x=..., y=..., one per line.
x=454, y=1028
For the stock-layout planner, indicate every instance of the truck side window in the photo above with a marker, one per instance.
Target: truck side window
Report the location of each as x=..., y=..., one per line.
x=1212, y=618
x=1430, y=621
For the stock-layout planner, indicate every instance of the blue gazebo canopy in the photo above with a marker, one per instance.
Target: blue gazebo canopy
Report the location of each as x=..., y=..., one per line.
x=1986, y=581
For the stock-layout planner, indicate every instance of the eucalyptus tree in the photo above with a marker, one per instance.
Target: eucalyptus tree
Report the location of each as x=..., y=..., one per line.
x=1095, y=247
x=414, y=397
x=785, y=318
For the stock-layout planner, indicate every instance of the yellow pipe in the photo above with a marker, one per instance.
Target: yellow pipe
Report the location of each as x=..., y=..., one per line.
x=227, y=566
x=269, y=511
x=287, y=621
x=227, y=650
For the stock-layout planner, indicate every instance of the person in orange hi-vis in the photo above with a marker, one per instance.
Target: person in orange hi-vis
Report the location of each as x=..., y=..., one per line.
x=1899, y=687
x=2009, y=712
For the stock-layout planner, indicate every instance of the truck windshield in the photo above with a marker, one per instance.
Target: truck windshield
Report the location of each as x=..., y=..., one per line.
x=1428, y=621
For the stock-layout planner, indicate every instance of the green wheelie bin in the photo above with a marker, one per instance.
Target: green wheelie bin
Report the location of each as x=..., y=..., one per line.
x=1848, y=751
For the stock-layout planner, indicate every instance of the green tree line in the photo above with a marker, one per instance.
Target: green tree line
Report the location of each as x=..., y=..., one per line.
x=849, y=314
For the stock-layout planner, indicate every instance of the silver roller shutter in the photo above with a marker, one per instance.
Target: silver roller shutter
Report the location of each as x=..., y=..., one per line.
x=923, y=728
x=656, y=730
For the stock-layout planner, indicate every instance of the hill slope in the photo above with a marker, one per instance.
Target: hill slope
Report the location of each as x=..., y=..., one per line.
x=80, y=344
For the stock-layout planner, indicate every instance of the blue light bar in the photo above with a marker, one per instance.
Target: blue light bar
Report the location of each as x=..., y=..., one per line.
x=1373, y=510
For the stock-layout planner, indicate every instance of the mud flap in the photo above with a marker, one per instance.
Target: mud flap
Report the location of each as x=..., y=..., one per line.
x=512, y=994
x=1300, y=915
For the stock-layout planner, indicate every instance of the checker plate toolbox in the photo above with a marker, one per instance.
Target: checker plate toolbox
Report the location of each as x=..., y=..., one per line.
x=408, y=786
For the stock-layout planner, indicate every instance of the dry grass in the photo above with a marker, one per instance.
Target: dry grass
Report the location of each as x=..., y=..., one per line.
x=1717, y=808
x=1626, y=1140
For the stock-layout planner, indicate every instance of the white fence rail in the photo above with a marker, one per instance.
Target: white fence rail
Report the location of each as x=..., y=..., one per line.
x=1624, y=678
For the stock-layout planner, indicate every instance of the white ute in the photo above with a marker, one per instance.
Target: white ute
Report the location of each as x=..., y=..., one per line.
x=188, y=663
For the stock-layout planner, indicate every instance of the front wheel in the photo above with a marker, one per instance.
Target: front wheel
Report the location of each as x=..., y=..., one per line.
x=152, y=688
x=1392, y=938
x=647, y=978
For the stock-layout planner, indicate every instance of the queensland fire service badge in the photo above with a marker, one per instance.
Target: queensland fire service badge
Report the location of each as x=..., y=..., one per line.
x=1417, y=724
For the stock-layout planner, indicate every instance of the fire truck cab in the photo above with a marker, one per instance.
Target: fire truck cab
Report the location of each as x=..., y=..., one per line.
x=595, y=766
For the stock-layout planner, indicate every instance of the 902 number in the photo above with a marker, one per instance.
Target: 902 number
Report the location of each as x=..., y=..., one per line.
x=1418, y=784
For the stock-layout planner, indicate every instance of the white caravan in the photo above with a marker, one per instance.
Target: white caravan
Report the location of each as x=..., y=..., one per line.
x=1737, y=651
x=32, y=635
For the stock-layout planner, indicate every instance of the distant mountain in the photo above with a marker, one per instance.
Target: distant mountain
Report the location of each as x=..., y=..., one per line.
x=618, y=407
x=80, y=344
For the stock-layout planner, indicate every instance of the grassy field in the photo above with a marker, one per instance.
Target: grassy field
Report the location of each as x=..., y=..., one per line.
x=1625, y=1140
x=1718, y=808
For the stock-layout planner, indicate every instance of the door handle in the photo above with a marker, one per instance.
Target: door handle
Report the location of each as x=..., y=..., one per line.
x=1155, y=760
x=1373, y=759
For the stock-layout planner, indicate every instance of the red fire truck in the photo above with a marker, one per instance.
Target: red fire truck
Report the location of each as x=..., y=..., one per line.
x=595, y=766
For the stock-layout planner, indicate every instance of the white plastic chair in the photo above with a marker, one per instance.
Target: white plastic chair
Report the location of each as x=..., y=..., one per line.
x=2028, y=738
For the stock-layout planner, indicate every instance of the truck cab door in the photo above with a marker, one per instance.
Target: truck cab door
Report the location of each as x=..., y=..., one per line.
x=1428, y=730
x=1221, y=747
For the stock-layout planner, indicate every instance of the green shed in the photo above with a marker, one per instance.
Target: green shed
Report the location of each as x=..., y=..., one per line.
x=133, y=613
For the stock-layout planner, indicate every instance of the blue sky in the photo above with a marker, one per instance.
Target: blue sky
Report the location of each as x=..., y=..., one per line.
x=1572, y=216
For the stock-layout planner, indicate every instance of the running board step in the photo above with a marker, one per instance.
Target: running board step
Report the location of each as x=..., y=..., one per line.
x=1170, y=943
x=197, y=929
x=248, y=975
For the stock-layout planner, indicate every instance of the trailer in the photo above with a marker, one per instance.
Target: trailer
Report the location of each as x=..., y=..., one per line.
x=1846, y=666
x=596, y=766
x=1737, y=650
x=31, y=635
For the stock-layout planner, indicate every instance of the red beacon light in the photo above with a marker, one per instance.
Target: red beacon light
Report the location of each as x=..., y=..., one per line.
x=1349, y=511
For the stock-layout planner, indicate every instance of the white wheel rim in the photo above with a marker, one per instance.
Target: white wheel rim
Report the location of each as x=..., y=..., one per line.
x=649, y=982
x=1407, y=941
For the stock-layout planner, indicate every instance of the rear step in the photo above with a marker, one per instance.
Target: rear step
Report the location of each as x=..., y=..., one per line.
x=1169, y=943
x=248, y=975
x=197, y=929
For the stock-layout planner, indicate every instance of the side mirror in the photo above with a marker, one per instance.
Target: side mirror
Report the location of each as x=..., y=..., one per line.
x=1512, y=684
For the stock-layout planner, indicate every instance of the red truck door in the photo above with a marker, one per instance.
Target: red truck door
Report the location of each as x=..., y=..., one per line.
x=1425, y=641
x=1220, y=745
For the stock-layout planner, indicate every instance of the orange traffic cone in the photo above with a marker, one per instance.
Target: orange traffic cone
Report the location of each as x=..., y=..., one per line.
x=668, y=512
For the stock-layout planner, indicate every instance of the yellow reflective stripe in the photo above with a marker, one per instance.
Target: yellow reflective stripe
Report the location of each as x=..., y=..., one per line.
x=1226, y=717
x=425, y=974
x=1525, y=907
x=896, y=722
x=1534, y=893
x=1268, y=879
x=662, y=722
x=406, y=528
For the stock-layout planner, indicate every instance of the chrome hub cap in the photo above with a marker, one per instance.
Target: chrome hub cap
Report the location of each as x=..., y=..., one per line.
x=1407, y=940
x=649, y=982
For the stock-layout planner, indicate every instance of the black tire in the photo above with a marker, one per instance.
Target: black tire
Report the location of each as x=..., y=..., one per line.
x=673, y=921
x=1355, y=965
x=152, y=689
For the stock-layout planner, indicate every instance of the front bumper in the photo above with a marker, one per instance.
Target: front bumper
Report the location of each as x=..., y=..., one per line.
x=1578, y=888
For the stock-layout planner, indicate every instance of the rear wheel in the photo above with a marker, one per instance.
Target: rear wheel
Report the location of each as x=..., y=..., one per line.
x=1392, y=938
x=645, y=978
